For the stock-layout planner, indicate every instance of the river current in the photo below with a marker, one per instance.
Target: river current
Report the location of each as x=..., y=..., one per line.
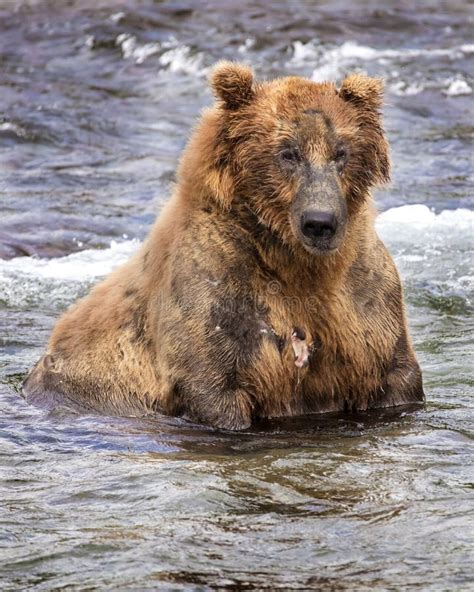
x=97, y=99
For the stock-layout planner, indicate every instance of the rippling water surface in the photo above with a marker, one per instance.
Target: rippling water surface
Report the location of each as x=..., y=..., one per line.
x=96, y=101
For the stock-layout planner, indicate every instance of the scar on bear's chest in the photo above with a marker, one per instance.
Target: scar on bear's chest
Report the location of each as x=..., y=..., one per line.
x=304, y=346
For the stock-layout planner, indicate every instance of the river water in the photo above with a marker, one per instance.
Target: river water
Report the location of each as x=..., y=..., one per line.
x=96, y=101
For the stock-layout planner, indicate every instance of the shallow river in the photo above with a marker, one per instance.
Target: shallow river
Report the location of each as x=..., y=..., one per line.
x=96, y=101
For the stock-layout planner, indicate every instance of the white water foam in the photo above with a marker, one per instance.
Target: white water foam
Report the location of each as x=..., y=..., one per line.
x=432, y=251
x=426, y=246
x=174, y=57
x=406, y=89
x=333, y=63
x=181, y=60
x=457, y=86
x=117, y=17
x=248, y=44
x=131, y=49
x=28, y=280
x=303, y=52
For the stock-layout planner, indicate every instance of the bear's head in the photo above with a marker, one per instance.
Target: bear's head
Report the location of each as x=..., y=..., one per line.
x=299, y=155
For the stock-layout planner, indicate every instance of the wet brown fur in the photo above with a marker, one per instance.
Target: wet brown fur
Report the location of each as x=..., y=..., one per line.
x=198, y=323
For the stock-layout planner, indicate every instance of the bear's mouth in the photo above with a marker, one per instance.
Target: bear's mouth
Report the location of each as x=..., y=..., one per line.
x=320, y=249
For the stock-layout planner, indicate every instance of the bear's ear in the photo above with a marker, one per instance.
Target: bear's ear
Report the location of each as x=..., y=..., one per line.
x=233, y=84
x=366, y=95
x=363, y=91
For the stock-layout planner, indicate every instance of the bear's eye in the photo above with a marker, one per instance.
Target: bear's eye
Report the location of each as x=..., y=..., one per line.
x=340, y=158
x=290, y=155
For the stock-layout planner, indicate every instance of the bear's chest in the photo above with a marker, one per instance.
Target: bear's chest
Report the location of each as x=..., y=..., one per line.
x=331, y=350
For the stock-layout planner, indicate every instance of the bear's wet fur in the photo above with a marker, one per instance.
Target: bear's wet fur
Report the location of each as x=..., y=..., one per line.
x=263, y=289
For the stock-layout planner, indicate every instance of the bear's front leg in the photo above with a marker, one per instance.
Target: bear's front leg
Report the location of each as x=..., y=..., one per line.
x=209, y=353
x=403, y=382
x=227, y=410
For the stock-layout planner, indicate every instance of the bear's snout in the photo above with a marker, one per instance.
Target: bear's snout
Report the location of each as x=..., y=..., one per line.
x=318, y=214
x=319, y=227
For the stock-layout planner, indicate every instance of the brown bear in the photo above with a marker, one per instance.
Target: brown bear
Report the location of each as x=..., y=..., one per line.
x=263, y=289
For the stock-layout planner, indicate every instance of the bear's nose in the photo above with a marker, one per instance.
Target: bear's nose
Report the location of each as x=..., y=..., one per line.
x=318, y=225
